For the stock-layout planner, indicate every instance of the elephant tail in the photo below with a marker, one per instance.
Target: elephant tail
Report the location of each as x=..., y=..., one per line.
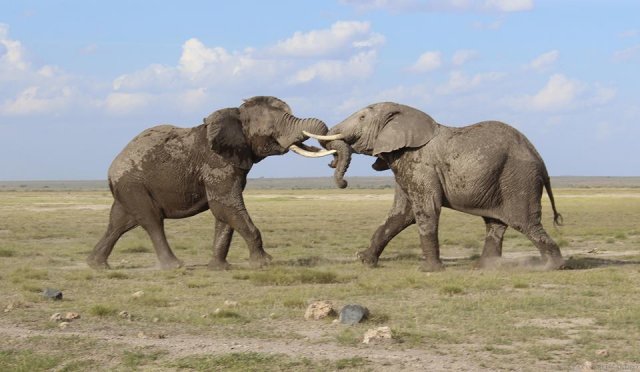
x=557, y=217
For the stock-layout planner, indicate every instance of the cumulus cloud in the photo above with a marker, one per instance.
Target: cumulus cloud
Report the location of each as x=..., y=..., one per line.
x=627, y=54
x=341, y=36
x=459, y=82
x=12, y=54
x=543, y=61
x=460, y=57
x=428, y=61
x=559, y=93
x=359, y=66
x=35, y=100
x=125, y=103
x=503, y=6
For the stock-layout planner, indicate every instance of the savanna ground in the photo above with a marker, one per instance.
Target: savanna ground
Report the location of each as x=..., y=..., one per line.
x=513, y=317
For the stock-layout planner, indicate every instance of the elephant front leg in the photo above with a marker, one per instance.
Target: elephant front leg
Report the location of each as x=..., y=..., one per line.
x=221, y=243
x=234, y=214
x=400, y=216
x=427, y=214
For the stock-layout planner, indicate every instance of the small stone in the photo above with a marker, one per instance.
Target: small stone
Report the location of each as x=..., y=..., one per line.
x=71, y=316
x=353, y=314
x=63, y=325
x=141, y=335
x=587, y=366
x=51, y=293
x=9, y=307
x=204, y=316
x=377, y=334
x=217, y=311
x=319, y=310
x=162, y=336
x=55, y=317
x=273, y=315
x=124, y=314
x=138, y=294
x=602, y=352
x=229, y=303
x=156, y=320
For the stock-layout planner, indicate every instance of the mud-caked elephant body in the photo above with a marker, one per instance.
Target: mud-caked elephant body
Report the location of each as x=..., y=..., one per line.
x=488, y=169
x=171, y=172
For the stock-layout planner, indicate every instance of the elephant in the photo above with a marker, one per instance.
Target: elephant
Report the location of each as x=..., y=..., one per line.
x=170, y=172
x=488, y=169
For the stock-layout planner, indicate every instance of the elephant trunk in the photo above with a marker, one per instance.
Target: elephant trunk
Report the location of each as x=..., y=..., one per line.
x=341, y=160
x=293, y=128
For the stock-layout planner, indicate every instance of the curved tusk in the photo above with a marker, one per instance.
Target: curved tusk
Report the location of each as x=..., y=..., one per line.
x=311, y=154
x=333, y=137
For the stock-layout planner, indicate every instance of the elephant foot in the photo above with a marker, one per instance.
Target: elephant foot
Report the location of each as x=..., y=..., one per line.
x=432, y=266
x=554, y=263
x=97, y=264
x=218, y=265
x=171, y=264
x=259, y=260
x=367, y=258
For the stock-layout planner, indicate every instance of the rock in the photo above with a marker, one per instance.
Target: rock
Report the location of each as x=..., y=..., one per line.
x=124, y=314
x=55, y=317
x=319, y=310
x=155, y=320
x=9, y=307
x=353, y=314
x=52, y=294
x=63, y=325
x=229, y=303
x=138, y=294
x=377, y=334
x=71, y=316
x=587, y=366
x=602, y=352
x=217, y=311
x=141, y=335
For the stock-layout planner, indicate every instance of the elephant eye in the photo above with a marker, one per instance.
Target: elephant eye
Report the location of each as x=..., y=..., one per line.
x=361, y=117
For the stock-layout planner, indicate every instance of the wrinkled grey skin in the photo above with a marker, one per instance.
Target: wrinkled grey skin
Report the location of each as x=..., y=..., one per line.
x=488, y=169
x=170, y=172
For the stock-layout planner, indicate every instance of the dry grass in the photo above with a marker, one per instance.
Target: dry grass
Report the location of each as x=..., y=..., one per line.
x=513, y=317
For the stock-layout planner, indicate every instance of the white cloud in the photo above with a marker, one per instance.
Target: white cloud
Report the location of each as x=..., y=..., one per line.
x=559, y=93
x=503, y=6
x=35, y=101
x=125, y=103
x=628, y=54
x=196, y=56
x=459, y=82
x=543, y=61
x=508, y=6
x=428, y=61
x=359, y=66
x=342, y=35
x=460, y=57
x=12, y=57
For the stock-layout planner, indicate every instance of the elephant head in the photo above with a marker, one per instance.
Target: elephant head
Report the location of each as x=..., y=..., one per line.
x=376, y=130
x=260, y=127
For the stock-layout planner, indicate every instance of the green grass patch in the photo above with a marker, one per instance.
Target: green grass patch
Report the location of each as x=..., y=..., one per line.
x=137, y=249
x=285, y=277
x=249, y=361
x=117, y=275
x=7, y=252
x=27, y=361
x=102, y=310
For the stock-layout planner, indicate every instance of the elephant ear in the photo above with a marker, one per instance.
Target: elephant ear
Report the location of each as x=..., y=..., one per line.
x=225, y=135
x=404, y=128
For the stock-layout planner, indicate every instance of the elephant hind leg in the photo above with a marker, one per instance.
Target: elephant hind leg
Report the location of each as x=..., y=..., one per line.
x=548, y=248
x=119, y=223
x=142, y=206
x=493, y=241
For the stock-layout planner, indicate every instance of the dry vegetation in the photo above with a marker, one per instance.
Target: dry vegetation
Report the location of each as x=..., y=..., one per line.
x=514, y=317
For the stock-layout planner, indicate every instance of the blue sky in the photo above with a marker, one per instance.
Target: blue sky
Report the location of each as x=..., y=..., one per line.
x=79, y=79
